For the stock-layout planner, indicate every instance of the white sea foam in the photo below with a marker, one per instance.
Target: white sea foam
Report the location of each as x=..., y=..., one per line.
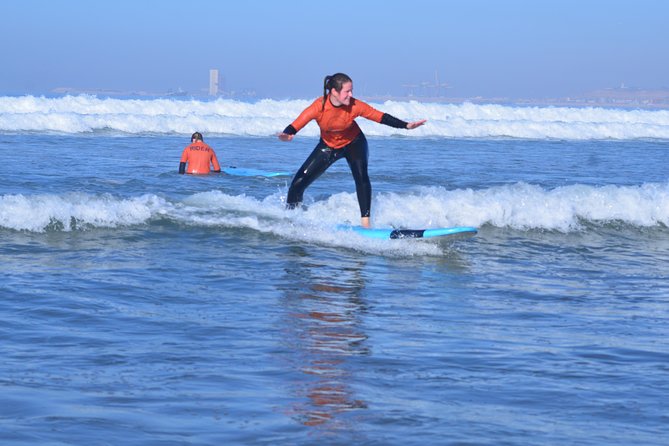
x=519, y=206
x=40, y=213
x=84, y=114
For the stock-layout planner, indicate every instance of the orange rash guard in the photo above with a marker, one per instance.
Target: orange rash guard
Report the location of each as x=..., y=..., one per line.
x=337, y=124
x=198, y=155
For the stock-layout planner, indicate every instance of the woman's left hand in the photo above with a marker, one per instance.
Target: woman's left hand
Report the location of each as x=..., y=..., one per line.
x=413, y=125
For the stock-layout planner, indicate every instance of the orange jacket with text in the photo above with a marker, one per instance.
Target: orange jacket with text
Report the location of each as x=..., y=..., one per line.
x=199, y=156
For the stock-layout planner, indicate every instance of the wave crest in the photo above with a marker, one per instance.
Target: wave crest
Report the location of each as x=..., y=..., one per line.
x=519, y=206
x=86, y=114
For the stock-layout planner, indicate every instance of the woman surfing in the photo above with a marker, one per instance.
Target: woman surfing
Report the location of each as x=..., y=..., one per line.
x=341, y=137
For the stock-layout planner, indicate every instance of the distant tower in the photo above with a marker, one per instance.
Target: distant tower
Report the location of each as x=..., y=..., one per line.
x=213, y=82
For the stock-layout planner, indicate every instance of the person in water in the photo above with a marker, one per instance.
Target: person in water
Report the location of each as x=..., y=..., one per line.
x=341, y=137
x=198, y=156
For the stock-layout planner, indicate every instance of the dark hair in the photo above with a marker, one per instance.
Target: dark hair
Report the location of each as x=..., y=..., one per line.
x=336, y=81
x=197, y=136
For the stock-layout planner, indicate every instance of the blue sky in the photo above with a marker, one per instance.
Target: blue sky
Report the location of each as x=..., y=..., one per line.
x=283, y=49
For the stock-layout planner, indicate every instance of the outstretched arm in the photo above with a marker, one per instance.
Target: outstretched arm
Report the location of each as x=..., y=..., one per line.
x=298, y=124
x=399, y=124
x=288, y=133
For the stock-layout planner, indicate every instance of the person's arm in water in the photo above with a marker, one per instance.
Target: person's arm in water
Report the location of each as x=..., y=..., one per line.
x=184, y=159
x=214, y=161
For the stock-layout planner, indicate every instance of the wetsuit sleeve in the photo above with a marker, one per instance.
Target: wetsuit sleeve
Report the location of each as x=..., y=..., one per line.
x=393, y=121
x=307, y=115
x=214, y=161
x=184, y=155
x=290, y=130
x=184, y=159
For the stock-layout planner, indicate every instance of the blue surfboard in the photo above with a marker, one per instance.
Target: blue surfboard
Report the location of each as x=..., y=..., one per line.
x=392, y=233
x=246, y=172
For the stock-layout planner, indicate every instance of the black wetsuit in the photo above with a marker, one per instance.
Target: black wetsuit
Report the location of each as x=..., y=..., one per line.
x=322, y=157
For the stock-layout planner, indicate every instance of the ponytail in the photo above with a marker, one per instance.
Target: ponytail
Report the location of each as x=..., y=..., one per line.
x=326, y=87
x=335, y=82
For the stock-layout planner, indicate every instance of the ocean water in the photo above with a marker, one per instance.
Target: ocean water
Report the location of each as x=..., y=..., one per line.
x=143, y=307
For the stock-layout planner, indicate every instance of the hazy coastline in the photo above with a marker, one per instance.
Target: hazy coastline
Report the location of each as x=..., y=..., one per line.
x=608, y=97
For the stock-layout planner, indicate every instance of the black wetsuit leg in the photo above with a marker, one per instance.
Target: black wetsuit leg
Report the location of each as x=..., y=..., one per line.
x=322, y=157
x=357, y=156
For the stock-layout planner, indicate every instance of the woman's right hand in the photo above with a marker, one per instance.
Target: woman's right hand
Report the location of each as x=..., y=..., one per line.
x=285, y=137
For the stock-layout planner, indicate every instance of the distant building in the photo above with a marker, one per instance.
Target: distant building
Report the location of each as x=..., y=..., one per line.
x=213, y=82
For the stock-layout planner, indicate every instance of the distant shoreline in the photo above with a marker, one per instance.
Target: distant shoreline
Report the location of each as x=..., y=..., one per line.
x=606, y=98
x=609, y=98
